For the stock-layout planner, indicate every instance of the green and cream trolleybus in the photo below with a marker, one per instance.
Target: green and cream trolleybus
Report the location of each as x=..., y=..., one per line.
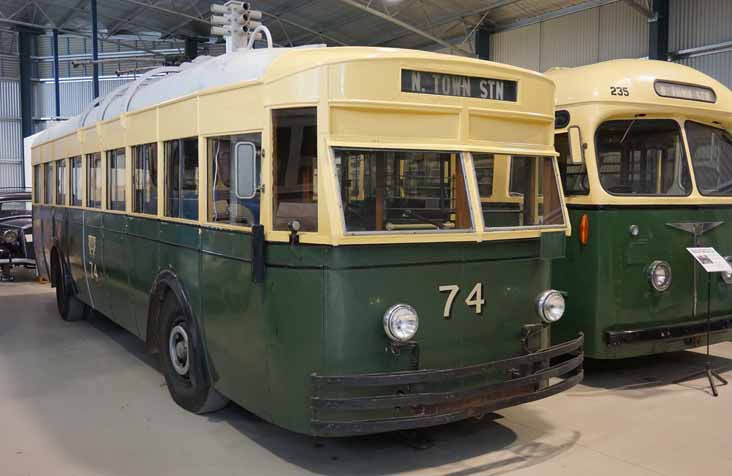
x=301, y=231
x=646, y=167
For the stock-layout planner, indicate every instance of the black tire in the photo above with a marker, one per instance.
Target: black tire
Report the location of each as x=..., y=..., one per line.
x=184, y=367
x=69, y=307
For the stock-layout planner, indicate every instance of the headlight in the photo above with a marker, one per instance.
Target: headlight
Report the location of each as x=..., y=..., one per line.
x=10, y=236
x=401, y=322
x=659, y=275
x=727, y=277
x=550, y=306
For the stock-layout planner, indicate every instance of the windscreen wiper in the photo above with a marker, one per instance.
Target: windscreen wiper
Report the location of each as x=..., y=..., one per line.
x=627, y=131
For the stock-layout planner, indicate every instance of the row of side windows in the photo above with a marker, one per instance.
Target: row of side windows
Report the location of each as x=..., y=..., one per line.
x=181, y=180
x=233, y=183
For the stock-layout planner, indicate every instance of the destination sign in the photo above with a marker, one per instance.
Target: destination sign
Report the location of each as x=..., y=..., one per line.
x=425, y=82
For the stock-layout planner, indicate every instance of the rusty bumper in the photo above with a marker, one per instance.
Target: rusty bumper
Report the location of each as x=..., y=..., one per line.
x=525, y=379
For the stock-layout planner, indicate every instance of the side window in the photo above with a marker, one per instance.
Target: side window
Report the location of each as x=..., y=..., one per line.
x=116, y=179
x=234, y=167
x=181, y=178
x=574, y=176
x=37, y=184
x=61, y=182
x=75, y=181
x=295, y=168
x=48, y=187
x=145, y=178
x=94, y=180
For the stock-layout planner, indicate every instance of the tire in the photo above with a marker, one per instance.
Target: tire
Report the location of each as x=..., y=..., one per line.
x=183, y=363
x=69, y=307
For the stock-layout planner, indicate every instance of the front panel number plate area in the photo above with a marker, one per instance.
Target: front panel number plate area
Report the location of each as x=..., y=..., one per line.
x=474, y=299
x=441, y=84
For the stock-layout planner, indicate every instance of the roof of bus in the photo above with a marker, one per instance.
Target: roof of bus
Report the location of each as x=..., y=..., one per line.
x=593, y=83
x=265, y=64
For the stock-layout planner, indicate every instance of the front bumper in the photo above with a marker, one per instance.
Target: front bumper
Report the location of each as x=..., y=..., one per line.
x=617, y=338
x=526, y=379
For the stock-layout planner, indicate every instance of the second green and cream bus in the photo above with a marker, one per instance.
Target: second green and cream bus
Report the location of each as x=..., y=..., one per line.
x=646, y=166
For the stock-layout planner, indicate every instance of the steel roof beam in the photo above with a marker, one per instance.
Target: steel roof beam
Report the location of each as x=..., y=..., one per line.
x=444, y=20
x=405, y=25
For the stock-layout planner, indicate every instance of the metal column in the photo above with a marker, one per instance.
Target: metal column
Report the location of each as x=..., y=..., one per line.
x=25, y=47
x=56, y=83
x=483, y=43
x=191, y=49
x=658, y=31
x=95, y=48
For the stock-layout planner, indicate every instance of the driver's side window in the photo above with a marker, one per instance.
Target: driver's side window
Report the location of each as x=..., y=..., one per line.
x=574, y=176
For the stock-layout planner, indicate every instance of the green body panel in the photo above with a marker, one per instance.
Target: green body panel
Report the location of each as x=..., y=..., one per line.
x=320, y=308
x=607, y=281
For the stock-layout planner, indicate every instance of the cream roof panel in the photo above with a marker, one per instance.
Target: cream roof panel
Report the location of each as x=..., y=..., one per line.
x=592, y=83
x=266, y=64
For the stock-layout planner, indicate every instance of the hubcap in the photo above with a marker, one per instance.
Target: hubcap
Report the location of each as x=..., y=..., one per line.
x=178, y=349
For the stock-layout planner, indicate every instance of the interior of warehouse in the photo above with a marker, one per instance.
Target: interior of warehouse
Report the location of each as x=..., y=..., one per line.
x=369, y=237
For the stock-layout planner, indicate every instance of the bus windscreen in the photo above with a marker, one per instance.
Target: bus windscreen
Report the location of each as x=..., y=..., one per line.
x=711, y=157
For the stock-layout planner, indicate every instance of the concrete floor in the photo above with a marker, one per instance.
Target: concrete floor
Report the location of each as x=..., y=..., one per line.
x=84, y=399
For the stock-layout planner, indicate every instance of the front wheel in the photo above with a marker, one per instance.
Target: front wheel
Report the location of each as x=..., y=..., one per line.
x=182, y=361
x=69, y=306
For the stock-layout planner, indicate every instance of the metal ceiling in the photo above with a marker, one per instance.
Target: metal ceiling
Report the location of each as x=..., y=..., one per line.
x=421, y=24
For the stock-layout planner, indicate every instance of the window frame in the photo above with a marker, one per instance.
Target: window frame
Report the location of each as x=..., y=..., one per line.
x=562, y=199
x=181, y=167
x=109, y=155
x=71, y=160
x=691, y=157
x=61, y=181
x=155, y=147
x=89, y=157
x=49, y=189
x=440, y=232
x=685, y=158
x=210, y=202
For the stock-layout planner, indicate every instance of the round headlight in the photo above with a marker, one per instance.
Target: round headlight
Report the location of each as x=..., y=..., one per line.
x=401, y=322
x=727, y=277
x=10, y=236
x=659, y=275
x=550, y=306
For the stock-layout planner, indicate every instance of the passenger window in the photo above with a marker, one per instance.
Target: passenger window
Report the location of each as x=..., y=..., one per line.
x=145, y=178
x=94, y=180
x=524, y=191
x=37, y=183
x=61, y=182
x=181, y=181
x=295, y=168
x=116, y=179
x=75, y=181
x=234, y=165
x=642, y=157
x=48, y=184
x=574, y=176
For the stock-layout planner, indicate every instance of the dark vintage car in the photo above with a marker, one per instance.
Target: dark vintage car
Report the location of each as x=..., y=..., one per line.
x=16, y=232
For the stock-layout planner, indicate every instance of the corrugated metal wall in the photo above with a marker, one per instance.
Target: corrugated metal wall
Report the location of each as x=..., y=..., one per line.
x=11, y=144
x=696, y=23
x=611, y=31
x=618, y=31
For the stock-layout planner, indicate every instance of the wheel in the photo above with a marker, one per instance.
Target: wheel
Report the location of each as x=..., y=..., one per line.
x=182, y=361
x=69, y=307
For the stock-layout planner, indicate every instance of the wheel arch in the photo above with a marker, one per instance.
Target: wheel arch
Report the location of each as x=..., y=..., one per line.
x=167, y=283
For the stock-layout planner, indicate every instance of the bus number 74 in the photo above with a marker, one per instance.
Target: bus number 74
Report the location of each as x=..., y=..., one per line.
x=474, y=299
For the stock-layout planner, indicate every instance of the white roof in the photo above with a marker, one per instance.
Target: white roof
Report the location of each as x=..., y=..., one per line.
x=168, y=83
